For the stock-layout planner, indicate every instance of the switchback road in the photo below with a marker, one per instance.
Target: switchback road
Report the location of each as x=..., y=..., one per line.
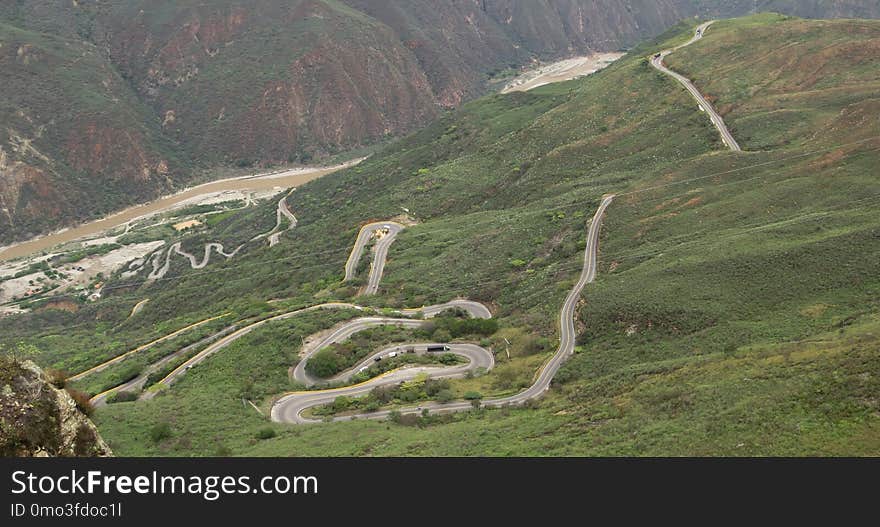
x=290, y=407
x=346, y=330
x=386, y=232
x=657, y=62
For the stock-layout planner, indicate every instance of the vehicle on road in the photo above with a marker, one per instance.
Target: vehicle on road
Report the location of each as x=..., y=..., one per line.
x=432, y=349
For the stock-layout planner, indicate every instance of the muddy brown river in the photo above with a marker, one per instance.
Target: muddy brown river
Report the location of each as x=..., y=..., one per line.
x=285, y=179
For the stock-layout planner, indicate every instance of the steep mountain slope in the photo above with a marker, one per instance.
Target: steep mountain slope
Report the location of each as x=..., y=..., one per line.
x=75, y=141
x=735, y=310
x=113, y=103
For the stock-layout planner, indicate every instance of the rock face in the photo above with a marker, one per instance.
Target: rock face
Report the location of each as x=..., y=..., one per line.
x=39, y=420
x=109, y=103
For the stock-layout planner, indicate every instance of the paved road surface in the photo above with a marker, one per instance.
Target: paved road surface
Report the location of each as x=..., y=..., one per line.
x=138, y=307
x=477, y=310
x=657, y=62
x=380, y=252
x=474, y=309
x=104, y=365
x=289, y=408
x=137, y=384
x=346, y=330
x=341, y=335
x=282, y=212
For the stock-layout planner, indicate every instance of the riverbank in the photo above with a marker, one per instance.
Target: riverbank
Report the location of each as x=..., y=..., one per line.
x=252, y=183
x=563, y=70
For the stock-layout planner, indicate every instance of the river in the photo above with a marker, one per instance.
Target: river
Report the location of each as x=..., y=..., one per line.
x=284, y=179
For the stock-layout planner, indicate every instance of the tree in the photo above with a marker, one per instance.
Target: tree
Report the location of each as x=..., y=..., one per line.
x=383, y=394
x=323, y=364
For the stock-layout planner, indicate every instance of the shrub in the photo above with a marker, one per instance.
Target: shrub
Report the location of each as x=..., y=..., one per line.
x=435, y=386
x=160, y=432
x=448, y=359
x=82, y=401
x=58, y=378
x=323, y=364
x=444, y=396
x=122, y=397
x=441, y=335
x=341, y=403
x=266, y=433
x=383, y=394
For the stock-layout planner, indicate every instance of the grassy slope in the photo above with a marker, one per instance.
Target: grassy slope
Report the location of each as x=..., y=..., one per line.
x=735, y=309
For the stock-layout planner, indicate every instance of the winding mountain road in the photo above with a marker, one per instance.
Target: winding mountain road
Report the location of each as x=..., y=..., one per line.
x=104, y=365
x=290, y=407
x=350, y=328
x=282, y=212
x=657, y=62
x=137, y=384
x=177, y=248
x=387, y=232
x=477, y=310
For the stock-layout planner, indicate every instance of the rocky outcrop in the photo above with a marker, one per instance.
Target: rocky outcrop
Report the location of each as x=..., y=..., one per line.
x=39, y=420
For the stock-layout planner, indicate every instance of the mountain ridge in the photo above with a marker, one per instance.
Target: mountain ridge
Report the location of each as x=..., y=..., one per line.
x=152, y=97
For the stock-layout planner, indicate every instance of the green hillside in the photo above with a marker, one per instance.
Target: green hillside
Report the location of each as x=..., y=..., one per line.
x=736, y=307
x=109, y=104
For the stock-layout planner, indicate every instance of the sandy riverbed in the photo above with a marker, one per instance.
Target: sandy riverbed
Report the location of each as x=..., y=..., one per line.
x=564, y=70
